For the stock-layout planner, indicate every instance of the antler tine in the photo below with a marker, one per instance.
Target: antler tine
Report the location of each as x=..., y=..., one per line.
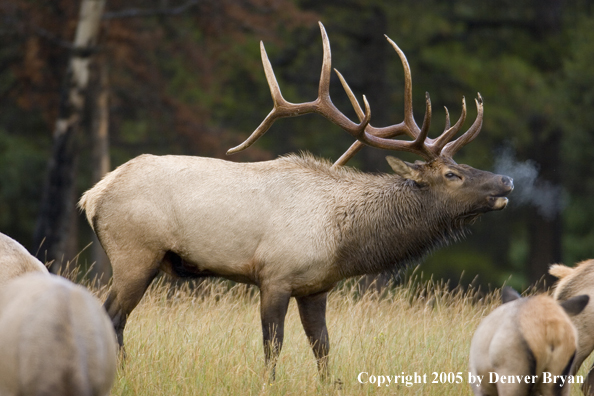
x=277, y=96
x=452, y=147
x=324, y=87
x=347, y=155
x=447, y=120
x=408, y=108
x=277, y=99
x=420, y=140
x=357, y=145
x=351, y=96
x=450, y=132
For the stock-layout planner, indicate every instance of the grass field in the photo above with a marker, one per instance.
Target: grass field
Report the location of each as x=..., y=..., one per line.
x=207, y=341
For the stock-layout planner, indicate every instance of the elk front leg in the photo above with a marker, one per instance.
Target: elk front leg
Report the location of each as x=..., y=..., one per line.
x=312, y=310
x=273, y=309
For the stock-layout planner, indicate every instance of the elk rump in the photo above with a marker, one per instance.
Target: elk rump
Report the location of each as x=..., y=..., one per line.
x=55, y=339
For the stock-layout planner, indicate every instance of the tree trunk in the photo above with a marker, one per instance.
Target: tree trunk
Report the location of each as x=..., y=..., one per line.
x=99, y=103
x=58, y=203
x=374, y=50
x=545, y=247
x=545, y=226
x=545, y=229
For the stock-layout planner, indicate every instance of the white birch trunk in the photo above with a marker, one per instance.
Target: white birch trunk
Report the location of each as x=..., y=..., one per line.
x=58, y=205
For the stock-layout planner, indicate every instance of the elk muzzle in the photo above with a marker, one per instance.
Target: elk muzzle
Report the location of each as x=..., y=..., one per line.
x=499, y=200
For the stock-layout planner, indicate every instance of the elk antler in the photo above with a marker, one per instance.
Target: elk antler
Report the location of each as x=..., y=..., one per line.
x=322, y=105
x=363, y=132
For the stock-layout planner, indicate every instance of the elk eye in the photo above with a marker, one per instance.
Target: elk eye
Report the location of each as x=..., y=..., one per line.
x=452, y=175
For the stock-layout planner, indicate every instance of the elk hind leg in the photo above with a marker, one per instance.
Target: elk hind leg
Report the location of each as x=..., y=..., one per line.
x=312, y=310
x=131, y=278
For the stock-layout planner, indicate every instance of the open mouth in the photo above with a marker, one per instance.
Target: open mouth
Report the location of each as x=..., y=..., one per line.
x=498, y=202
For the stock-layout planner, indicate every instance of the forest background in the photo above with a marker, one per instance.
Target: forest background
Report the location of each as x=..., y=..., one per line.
x=185, y=77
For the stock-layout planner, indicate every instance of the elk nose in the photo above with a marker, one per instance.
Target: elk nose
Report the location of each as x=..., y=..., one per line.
x=507, y=182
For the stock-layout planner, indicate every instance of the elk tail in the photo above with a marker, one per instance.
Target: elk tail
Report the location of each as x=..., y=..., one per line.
x=89, y=200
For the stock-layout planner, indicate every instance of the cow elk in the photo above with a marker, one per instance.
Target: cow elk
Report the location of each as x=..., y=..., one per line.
x=294, y=226
x=573, y=282
x=55, y=339
x=15, y=260
x=525, y=346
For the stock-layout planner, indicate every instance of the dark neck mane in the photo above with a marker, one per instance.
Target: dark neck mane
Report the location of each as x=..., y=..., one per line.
x=393, y=225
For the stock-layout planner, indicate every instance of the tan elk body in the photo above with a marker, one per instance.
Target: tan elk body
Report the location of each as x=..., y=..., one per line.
x=573, y=282
x=55, y=339
x=293, y=226
x=15, y=260
x=523, y=345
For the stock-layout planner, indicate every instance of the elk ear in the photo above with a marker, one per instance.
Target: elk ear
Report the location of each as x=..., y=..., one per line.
x=560, y=271
x=575, y=305
x=404, y=169
x=509, y=294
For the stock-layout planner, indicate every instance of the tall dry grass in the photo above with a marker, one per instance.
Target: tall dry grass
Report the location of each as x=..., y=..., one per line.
x=207, y=341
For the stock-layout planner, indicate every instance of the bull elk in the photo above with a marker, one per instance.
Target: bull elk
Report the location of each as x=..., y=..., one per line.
x=526, y=346
x=294, y=226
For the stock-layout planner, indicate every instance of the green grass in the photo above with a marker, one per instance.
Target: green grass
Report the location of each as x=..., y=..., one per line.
x=209, y=342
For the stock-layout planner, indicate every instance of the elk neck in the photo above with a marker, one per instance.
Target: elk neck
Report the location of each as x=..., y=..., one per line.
x=386, y=222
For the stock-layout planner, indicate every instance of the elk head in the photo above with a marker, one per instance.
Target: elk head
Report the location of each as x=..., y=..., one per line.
x=478, y=190
x=470, y=191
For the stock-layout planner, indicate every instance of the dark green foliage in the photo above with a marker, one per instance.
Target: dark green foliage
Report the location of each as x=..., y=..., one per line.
x=23, y=157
